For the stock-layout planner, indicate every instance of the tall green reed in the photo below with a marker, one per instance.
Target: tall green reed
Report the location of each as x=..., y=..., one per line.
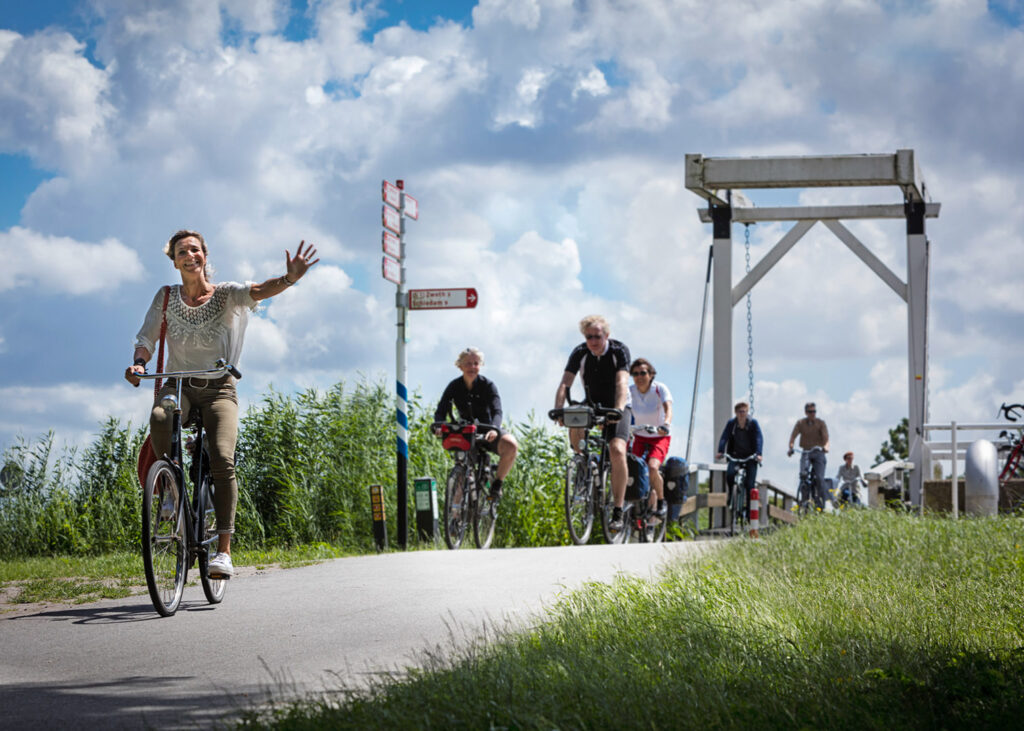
x=304, y=464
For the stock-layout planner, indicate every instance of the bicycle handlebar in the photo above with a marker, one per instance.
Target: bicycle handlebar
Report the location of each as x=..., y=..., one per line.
x=221, y=368
x=740, y=460
x=652, y=429
x=1007, y=411
x=600, y=412
x=459, y=424
x=810, y=451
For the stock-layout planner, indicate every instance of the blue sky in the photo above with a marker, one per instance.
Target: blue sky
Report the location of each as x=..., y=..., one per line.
x=545, y=141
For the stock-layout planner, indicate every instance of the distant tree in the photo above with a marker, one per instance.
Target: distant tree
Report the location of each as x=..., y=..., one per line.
x=895, y=447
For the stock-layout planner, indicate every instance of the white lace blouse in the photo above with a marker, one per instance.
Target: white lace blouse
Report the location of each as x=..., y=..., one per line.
x=198, y=336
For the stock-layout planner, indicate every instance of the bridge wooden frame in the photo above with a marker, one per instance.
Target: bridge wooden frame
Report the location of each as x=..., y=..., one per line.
x=720, y=181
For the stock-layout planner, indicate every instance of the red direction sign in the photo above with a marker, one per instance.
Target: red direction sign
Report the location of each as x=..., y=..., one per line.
x=391, y=244
x=391, y=219
x=391, y=195
x=442, y=299
x=391, y=269
x=411, y=207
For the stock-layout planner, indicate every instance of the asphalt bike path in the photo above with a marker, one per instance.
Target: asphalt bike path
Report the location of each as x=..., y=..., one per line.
x=283, y=634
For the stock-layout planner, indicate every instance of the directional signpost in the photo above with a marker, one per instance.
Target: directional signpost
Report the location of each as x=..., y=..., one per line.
x=393, y=269
x=442, y=299
x=399, y=205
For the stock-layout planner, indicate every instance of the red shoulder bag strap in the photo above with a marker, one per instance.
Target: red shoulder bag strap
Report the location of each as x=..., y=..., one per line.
x=157, y=382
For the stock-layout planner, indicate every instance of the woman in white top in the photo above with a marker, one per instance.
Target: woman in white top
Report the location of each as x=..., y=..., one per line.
x=206, y=322
x=652, y=406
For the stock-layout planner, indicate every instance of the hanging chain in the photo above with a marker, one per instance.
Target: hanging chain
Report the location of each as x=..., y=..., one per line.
x=750, y=326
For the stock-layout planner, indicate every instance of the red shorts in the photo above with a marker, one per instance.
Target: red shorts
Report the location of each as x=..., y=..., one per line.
x=656, y=447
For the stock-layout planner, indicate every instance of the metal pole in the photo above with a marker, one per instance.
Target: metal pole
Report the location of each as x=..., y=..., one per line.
x=700, y=353
x=402, y=395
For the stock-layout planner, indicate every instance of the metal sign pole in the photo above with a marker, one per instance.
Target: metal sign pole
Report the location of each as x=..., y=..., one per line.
x=402, y=396
x=397, y=206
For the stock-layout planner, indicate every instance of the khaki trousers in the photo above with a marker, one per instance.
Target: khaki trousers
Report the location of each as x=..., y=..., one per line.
x=218, y=404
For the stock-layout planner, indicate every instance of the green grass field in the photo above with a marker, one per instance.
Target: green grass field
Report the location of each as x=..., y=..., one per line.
x=865, y=620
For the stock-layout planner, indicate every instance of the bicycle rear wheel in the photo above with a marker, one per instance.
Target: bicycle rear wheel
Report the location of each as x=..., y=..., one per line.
x=456, y=499
x=579, y=501
x=164, y=538
x=485, y=511
x=213, y=588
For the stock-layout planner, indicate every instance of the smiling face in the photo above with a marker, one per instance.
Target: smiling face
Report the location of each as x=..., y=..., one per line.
x=470, y=367
x=189, y=256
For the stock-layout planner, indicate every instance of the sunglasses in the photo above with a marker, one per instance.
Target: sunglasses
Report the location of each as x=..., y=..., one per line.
x=640, y=373
x=594, y=337
x=810, y=411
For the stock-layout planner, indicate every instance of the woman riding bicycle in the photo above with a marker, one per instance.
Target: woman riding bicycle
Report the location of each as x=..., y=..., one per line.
x=477, y=401
x=652, y=406
x=206, y=322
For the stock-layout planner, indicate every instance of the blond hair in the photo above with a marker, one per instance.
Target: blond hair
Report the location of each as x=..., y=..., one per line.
x=467, y=353
x=594, y=321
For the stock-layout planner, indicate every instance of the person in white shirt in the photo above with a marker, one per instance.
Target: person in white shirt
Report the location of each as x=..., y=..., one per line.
x=652, y=407
x=206, y=322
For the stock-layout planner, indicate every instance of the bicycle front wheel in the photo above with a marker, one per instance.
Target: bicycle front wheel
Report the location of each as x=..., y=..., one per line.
x=612, y=534
x=213, y=588
x=485, y=510
x=456, y=499
x=164, y=538
x=579, y=501
x=648, y=528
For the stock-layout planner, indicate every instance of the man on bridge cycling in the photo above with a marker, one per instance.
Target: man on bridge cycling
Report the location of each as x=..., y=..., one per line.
x=812, y=432
x=603, y=365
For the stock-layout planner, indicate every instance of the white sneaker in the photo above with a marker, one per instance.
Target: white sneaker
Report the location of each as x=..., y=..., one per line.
x=220, y=565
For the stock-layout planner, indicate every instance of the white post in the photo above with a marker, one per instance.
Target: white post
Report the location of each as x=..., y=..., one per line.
x=917, y=341
x=956, y=476
x=722, y=346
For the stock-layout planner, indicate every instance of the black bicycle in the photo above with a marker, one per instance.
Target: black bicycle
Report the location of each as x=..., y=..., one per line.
x=739, y=497
x=588, y=475
x=646, y=526
x=178, y=526
x=808, y=492
x=467, y=499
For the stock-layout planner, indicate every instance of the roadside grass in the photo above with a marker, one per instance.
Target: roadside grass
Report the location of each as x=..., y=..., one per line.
x=865, y=620
x=79, y=579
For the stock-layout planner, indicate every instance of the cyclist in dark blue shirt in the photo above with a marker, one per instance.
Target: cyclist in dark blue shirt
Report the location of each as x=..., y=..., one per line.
x=476, y=399
x=742, y=438
x=603, y=365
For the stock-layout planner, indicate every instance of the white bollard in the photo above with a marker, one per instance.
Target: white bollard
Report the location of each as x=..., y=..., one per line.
x=755, y=512
x=981, y=479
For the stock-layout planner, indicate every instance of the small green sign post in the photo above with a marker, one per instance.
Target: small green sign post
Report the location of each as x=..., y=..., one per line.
x=426, y=508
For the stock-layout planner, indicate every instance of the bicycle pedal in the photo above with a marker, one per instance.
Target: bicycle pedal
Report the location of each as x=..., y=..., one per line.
x=219, y=577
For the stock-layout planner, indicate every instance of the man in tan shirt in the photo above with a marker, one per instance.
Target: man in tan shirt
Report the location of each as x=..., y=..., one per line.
x=812, y=432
